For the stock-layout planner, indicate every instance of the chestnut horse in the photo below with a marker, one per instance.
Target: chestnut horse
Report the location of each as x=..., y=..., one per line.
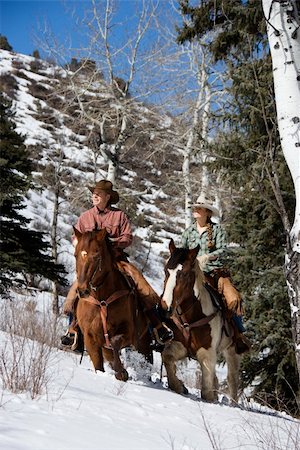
x=200, y=328
x=107, y=310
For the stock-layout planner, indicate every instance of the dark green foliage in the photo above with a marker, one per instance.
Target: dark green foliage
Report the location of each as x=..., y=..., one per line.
x=4, y=44
x=36, y=54
x=249, y=161
x=258, y=272
x=234, y=20
x=23, y=251
x=250, y=154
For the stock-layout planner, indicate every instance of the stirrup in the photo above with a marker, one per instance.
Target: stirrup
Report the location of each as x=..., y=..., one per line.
x=70, y=340
x=163, y=335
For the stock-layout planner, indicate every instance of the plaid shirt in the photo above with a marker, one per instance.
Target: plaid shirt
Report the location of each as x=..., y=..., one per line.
x=114, y=220
x=191, y=238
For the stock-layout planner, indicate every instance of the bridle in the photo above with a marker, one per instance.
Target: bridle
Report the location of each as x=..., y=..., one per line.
x=101, y=303
x=178, y=316
x=98, y=268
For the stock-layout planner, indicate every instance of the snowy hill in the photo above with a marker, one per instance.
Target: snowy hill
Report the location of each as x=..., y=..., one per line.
x=63, y=147
x=82, y=409
x=57, y=403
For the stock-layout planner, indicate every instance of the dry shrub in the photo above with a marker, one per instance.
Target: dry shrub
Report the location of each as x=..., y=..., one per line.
x=9, y=85
x=26, y=353
x=38, y=90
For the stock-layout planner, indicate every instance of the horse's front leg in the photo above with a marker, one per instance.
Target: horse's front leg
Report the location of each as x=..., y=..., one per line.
x=173, y=352
x=89, y=323
x=208, y=361
x=120, y=372
x=93, y=347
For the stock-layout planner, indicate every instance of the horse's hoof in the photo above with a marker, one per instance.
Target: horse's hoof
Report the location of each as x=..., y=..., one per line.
x=122, y=376
x=184, y=390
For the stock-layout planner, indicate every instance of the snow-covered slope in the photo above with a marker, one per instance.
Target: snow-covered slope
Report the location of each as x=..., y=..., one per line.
x=44, y=114
x=82, y=409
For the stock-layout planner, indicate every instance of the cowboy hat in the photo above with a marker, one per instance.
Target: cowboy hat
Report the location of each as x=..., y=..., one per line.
x=203, y=202
x=105, y=185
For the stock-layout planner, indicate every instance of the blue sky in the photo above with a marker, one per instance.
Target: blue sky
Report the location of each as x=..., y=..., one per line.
x=20, y=20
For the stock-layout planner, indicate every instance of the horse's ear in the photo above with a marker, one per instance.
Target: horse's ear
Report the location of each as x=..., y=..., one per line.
x=77, y=233
x=193, y=253
x=172, y=246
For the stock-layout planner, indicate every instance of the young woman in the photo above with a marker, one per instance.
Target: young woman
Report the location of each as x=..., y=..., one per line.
x=211, y=238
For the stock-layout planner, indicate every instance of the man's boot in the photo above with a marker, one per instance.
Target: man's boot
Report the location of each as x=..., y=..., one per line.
x=73, y=339
x=163, y=334
x=149, y=301
x=242, y=343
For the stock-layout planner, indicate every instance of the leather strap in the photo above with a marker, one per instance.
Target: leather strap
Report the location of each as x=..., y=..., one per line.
x=102, y=304
x=185, y=327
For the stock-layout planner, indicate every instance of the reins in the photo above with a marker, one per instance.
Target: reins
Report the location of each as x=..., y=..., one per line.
x=97, y=268
x=184, y=326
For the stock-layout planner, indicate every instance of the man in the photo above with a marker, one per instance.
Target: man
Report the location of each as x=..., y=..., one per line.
x=104, y=215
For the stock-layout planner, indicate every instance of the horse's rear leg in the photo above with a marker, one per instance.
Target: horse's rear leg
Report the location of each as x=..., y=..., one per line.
x=174, y=352
x=208, y=361
x=233, y=367
x=93, y=347
x=120, y=372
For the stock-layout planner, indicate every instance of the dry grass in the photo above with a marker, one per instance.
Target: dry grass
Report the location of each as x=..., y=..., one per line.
x=26, y=354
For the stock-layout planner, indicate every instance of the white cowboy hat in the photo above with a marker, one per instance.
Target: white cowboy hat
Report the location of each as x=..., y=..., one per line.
x=203, y=202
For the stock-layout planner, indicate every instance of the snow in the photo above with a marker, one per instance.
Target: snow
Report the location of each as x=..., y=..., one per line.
x=82, y=409
x=86, y=410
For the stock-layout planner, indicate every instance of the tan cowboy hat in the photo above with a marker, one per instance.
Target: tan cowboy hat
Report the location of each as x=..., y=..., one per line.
x=105, y=185
x=203, y=202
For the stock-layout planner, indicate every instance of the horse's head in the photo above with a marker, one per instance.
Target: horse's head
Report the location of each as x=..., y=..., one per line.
x=92, y=259
x=179, y=275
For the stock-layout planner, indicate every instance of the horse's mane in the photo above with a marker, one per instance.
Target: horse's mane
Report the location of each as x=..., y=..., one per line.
x=89, y=236
x=199, y=274
x=177, y=257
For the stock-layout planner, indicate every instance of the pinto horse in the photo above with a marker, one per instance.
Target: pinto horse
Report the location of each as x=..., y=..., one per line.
x=200, y=328
x=107, y=310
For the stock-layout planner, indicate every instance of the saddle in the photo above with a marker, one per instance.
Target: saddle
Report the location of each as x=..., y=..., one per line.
x=229, y=301
x=220, y=280
x=217, y=298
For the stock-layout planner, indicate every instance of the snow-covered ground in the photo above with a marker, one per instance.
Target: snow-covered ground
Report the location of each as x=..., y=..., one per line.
x=81, y=409
x=87, y=410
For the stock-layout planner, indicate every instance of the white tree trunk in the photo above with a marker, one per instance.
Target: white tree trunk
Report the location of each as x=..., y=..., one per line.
x=284, y=38
x=198, y=114
x=206, y=179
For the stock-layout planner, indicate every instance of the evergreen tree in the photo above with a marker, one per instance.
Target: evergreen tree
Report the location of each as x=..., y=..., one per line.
x=4, y=44
x=23, y=251
x=251, y=163
x=36, y=54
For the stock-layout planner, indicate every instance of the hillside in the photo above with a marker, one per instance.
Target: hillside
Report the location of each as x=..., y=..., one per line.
x=80, y=409
x=65, y=147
